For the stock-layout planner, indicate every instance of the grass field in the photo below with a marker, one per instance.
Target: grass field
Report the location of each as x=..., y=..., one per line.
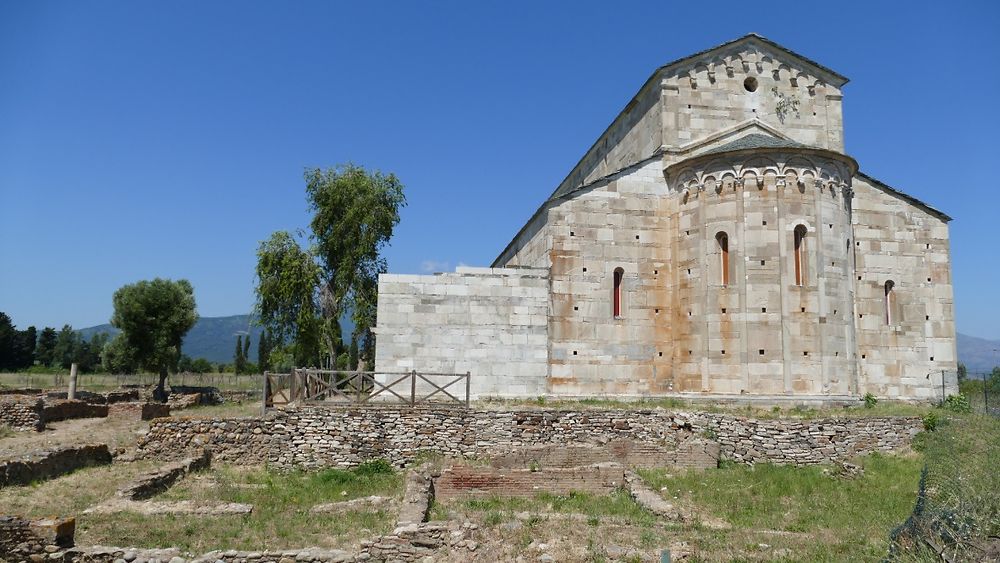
x=280, y=517
x=98, y=382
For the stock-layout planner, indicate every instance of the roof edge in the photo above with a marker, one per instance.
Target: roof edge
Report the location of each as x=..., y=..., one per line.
x=919, y=203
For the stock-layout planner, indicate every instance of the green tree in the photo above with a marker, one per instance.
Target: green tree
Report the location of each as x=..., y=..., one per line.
x=238, y=359
x=8, y=338
x=185, y=364
x=246, y=355
x=117, y=357
x=287, y=299
x=66, y=343
x=355, y=212
x=46, y=346
x=264, y=351
x=201, y=365
x=154, y=316
x=353, y=354
x=963, y=372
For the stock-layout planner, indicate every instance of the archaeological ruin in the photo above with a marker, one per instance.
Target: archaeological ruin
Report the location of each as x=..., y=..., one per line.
x=716, y=241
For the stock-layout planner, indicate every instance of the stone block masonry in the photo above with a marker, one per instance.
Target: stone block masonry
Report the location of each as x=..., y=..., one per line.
x=69, y=409
x=42, y=465
x=20, y=539
x=316, y=437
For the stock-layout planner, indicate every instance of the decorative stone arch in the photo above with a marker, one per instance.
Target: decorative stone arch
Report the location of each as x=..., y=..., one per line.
x=799, y=164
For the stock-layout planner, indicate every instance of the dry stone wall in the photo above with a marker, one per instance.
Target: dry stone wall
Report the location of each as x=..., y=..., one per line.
x=343, y=437
x=42, y=465
x=72, y=408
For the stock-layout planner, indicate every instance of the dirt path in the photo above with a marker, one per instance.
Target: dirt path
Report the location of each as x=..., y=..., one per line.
x=116, y=432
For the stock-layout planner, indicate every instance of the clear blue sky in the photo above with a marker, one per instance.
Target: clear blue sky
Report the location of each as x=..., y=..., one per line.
x=142, y=139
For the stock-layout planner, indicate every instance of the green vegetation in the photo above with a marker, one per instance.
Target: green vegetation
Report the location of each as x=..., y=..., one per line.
x=303, y=293
x=870, y=400
x=617, y=506
x=280, y=518
x=153, y=316
x=881, y=408
x=22, y=349
x=842, y=520
x=958, y=508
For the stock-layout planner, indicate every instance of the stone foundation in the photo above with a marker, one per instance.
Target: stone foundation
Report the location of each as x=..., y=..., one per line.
x=161, y=480
x=139, y=411
x=21, y=539
x=476, y=482
x=315, y=437
x=43, y=465
x=68, y=409
x=21, y=413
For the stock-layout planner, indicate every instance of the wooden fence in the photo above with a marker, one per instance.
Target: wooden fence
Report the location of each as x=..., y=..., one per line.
x=318, y=386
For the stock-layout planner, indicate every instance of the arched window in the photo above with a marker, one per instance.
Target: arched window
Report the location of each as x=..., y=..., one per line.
x=722, y=239
x=617, y=293
x=890, y=298
x=800, y=255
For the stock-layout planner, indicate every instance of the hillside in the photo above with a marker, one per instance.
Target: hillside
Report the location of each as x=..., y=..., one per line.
x=978, y=354
x=212, y=338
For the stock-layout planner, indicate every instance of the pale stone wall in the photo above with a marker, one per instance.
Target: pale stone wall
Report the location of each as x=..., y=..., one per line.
x=491, y=323
x=899, y=241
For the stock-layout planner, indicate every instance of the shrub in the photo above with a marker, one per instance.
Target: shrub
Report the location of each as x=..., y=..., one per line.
x=931, y=421
x=958, y=403
x=374, y=467
x=870, y=400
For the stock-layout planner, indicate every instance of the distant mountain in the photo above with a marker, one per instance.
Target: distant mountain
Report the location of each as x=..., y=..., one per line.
x=214, y=338
x=978, y=354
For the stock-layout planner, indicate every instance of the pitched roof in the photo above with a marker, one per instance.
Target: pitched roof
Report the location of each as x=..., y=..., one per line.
x=757, y=141
x=907, y=197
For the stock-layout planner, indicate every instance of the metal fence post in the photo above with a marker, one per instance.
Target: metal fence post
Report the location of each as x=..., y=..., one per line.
x=986, y=397
x=413, y=387
x=942, y=387
x=264, y=397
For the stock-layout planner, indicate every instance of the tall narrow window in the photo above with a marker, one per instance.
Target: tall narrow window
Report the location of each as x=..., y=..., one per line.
x=800, y=255
x=890, y=297
x=723, y=240
x=617, y=293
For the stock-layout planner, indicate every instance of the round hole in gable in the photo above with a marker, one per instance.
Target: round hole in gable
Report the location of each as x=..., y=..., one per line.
x=750, y=84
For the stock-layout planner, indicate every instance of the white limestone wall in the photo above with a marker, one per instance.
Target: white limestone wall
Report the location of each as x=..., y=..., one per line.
x=490, y=322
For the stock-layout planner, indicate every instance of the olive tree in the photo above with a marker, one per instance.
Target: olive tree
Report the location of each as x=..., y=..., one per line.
x=154, y=316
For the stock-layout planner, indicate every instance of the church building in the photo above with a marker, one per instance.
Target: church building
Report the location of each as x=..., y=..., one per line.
x=715, y=241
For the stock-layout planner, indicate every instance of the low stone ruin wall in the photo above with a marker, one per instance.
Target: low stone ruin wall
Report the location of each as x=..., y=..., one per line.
x=21, y=413
x=109, y=398
x=41, y=465
x=314, y=437
x=139, y=411
x=154, y=483
x=26, y=540
x=694, y=452
x=474, y=482
x=67, y=409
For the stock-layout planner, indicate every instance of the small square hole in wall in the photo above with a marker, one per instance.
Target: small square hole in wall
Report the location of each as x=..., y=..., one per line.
x=656, y=272
x=761, y=351
x=762, y=262
x=764, y=223
x=723, y=309
x=928, y=246
x=690, y=352
x=831, y=225
x=689, y=271
x=834, y=311
x=687, y=232
x=857, y=244
x=859, y=278
x=863, y=356
x=803, y=309
x=836, y=353
x=689, y=313
x=928, y=279
x=571, y=233
x=927, y=317
x=932, y=358
x=723, y=352
x=574, y=352
x=833, y=263
x=763, y=309
x=636, y=237
x=657, y=311
x=660, y=354
x=575, y=308
x=584, y=269
x=805, y=353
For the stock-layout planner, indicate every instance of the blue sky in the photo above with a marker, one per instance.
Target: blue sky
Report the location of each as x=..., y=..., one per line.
x=143, y=139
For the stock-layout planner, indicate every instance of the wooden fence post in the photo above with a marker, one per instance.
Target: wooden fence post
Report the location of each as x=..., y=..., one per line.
x=266, y=393
x=468, y=381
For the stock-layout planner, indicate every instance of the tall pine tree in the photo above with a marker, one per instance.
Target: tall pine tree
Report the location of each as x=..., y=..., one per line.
x=238, y=358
